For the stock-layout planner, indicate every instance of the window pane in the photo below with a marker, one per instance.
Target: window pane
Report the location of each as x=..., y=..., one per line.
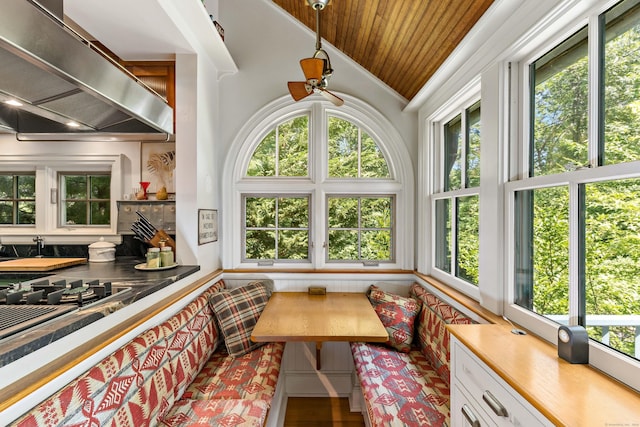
x=293, y=213
x=376, y=245
x=293, y=142
x=443, y=235
x=76, y=213
x=622, y=83
x=75, y=187
x=542, y=250
x=26, y=213
x=100, y=186
x=559, y=108
x=100, y=213
x=343, y=212
x=453, y=154
x=468, y=239
x=473, y=146
x=374, y=165
x=376, y=213
x=260, y=212
x=6, y=212
x=293, y=244
x=353, y=153
x=263, y=160
x=260, y=244
x=343, y=245
x=343, y=148
x=284, y=151
x=6, y=186
x=612, y=262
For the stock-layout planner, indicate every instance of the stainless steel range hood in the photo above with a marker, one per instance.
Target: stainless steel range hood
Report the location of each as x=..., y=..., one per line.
x=59, y=79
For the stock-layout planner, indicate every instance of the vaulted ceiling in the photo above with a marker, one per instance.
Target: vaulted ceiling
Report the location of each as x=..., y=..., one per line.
x=402, y=42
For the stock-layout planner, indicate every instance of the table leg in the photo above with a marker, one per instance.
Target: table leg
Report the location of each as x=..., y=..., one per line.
x=318, y=354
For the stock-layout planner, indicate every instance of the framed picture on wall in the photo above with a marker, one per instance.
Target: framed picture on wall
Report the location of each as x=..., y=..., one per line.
x=158, y=165
x=207, y=226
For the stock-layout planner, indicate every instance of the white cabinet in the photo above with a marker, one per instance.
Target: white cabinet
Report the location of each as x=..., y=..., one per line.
x=479, y=397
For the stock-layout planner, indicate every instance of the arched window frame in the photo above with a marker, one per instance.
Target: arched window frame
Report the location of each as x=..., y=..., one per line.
x=317, y=184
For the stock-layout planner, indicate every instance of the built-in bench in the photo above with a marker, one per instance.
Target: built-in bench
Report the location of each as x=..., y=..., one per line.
x=406, y=381
x=180, y=372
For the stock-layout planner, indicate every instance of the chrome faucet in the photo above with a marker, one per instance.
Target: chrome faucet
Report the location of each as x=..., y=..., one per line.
x=39, y=241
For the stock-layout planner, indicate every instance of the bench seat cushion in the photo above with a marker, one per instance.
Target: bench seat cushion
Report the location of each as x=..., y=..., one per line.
x=251, y=376
x=219, y=413
x=192, y=337
x=400, y=387
x=431, y=329
x=132, y=387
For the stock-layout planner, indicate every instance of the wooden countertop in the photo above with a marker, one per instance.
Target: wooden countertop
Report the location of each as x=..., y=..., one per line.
x=567, y=394
x=336, y=316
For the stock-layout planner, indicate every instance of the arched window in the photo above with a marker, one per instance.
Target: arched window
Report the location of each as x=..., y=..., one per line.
x=314, y=186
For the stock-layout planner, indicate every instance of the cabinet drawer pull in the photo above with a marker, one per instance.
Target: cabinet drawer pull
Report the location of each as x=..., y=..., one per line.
x=470, y=416
x=494, y=404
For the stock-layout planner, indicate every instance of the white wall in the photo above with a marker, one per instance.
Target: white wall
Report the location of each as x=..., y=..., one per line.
x=130, y=150
x=267, y=44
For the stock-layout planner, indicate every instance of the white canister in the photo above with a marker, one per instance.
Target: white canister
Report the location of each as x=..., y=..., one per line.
x=102, y=251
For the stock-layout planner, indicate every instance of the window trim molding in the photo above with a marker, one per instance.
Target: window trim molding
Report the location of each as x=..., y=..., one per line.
x=381, y=129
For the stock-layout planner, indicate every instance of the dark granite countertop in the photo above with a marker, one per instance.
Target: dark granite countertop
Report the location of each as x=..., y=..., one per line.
x=129, y=285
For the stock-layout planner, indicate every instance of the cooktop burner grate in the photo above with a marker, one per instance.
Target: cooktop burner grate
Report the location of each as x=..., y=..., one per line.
x=16, y=318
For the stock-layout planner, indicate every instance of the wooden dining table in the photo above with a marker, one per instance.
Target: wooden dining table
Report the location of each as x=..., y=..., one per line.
x=334, y=316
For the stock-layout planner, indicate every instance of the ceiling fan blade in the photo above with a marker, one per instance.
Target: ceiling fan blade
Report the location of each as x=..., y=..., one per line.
x=299, y=90
x=331, y=97
x=312, y=68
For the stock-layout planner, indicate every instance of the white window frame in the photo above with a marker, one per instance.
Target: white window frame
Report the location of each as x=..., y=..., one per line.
x=46, y=168
x=459, y=103
x=318, y=185
x=559, y=27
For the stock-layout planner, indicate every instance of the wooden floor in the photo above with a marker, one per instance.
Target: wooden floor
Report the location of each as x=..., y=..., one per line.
x=321, y=412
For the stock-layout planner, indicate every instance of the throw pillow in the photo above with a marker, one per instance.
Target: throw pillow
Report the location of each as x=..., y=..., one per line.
x=397, y=314
x=237, y=312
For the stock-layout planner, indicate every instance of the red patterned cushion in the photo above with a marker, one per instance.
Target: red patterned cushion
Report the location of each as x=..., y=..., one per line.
x=192, y=336
x=433, y=335
x=251, y=376
x=400, y=388
x=131, y=387
x=222, y=413
x=397, y=314
x=237, y=312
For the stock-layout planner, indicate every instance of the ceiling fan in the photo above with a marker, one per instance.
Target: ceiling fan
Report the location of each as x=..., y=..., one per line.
x=317, y=69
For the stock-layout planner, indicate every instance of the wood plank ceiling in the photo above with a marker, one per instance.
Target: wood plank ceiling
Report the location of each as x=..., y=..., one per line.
x=402, y=42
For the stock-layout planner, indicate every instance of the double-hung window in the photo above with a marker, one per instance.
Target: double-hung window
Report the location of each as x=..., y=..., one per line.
x=576, y=196
x=456, y=196
x=317, y=189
